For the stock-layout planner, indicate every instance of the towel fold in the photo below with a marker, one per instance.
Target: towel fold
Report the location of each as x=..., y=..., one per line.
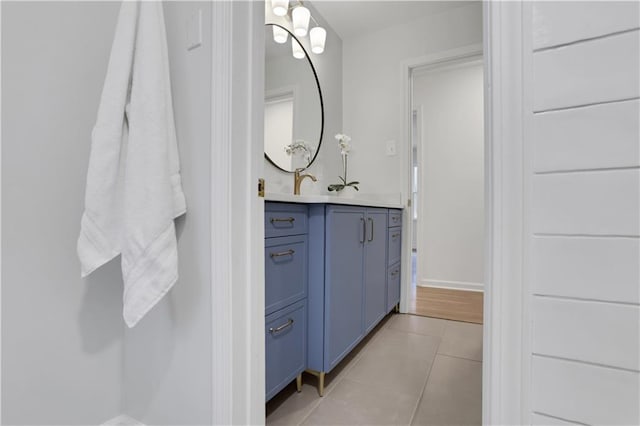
x=134, y=189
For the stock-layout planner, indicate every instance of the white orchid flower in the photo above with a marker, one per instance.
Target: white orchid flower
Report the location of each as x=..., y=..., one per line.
x=343, y=142
x=299, y=146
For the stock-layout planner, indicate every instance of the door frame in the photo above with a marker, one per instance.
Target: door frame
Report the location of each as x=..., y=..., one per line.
x=471, y=52
x=458, y=59
x=237, y=213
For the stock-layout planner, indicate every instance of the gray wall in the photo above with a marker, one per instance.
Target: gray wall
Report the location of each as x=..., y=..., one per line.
x=61, y=336
x=67, y=358
x=167, y=356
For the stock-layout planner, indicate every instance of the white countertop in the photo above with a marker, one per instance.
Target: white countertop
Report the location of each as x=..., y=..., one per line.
x=392, y=202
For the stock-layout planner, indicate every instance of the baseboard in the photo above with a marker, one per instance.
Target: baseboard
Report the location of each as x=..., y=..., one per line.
x=123, y=420
x=453, y=285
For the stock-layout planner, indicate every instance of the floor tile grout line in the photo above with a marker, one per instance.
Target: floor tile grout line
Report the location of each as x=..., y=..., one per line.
x=327, y=392
x=310, y=411
x=459, y=357
x=426, y=382
x=343, y=375
x=413, y=332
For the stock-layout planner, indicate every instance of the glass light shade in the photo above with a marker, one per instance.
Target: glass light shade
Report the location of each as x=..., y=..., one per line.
x=280, y=7
x=300, y=17
x=280, y=35
x=297, y=50
x=318, y=36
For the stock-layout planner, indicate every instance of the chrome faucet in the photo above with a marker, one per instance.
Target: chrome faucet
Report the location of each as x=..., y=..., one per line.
x=298, y=178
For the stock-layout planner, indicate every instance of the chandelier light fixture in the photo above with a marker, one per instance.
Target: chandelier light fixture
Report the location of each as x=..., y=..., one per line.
x=318, y=37
x=298, y=51
x=280, y=35
x=300, y=18
x=280, y=7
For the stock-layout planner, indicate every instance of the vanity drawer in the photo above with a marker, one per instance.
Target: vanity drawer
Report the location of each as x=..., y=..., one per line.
x=285, y=344
x=395, y=218
x=394, y=245
x=393, y=286
x=285, y=264
x=281, y=219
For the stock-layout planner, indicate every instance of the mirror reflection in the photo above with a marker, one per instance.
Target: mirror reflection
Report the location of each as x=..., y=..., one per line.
x=293, y=114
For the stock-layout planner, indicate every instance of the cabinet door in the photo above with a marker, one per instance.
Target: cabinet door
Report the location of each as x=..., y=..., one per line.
x=343, y=281
x=285, y=268
x=285, y=346
x=393, y=286
x=375, y=268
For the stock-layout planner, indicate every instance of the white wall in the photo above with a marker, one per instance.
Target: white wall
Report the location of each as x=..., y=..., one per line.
x=61, y=335
x=328, y=66
x=372, y=94
x=583, y=158
x=451, y=190
x=167, y=356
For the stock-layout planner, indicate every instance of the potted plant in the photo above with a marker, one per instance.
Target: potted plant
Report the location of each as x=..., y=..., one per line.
x=345, y=147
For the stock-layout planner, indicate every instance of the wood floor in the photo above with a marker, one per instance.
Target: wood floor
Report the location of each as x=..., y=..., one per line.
x=458, y=305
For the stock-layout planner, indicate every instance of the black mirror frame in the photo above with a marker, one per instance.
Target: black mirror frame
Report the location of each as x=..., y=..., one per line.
x=315, y=75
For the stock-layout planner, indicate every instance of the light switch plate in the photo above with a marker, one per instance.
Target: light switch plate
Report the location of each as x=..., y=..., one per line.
x=194, y=30
x=391, y=148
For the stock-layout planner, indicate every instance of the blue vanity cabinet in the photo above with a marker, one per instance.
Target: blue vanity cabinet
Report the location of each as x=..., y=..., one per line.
x=286, y=283
x=285, y=266
x=345, y=238
x=394, y=250
x=375, y=268
x=347, y=282
x=285, y=346
x=393, y=287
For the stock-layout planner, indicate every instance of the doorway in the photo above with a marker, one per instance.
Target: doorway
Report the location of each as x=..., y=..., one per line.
x=447, y=189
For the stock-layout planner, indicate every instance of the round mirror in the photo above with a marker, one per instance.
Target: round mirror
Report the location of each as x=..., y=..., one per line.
x=293, y=111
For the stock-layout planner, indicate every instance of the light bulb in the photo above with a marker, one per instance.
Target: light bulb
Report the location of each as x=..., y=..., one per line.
x=300, y=17
x=280, y=7
x=318, y=36
x=297, y=50
x=280, y=35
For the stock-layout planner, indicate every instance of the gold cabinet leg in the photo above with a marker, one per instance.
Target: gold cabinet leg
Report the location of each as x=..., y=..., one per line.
x=321, y=384
x=320, y=376
x=397, y=308
x=299, y=382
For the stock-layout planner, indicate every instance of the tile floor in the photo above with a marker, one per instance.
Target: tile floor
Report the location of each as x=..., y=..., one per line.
x=411, y=370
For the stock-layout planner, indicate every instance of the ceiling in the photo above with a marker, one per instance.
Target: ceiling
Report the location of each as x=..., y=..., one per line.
x=351, y=18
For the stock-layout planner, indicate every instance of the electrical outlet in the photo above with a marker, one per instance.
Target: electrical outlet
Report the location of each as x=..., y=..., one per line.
x=391, y=148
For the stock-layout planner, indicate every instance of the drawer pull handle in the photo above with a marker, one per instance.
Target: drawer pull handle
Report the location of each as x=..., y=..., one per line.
x=364, y=230
x=370, y=220
x=394, y=273
x=395, y=218
x=282, y=253
x=282, y=327
x=395, y=235
x=283, y=219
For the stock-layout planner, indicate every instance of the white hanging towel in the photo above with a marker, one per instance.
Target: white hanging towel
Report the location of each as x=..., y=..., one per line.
x=134, y=190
